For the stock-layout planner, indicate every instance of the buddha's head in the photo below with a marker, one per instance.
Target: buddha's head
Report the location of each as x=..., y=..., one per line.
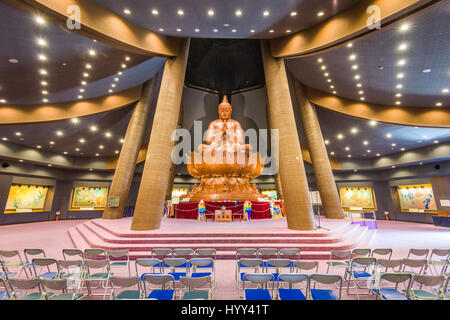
x=225, y=109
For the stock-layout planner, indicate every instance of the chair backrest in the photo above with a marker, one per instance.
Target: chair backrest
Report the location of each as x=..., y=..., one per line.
x=441, y=253
x=72, y=253
x=418, y=252
x=361, y=252
x=44, y=262
x=176, y=263
x=148, y=263
x=54, y=284
x=125, y=282
x=326, y=279
x=267, y=253
x=414, y=263
x=70, y=264
x=306, y=265
x=96, y=264
x=118, y=254
x=340, y=254
x=196, y=283
x=201, y=262
x=363, y=262
x=250, y=262
x=183, y=253
x=397, y=277
x=246, y=253
x=161, y=253
x=159, y=279
x=24, y=284
x=392, y=264
x=292, y=278
x=290, y=253
x=10, y=254
x=95, y=253
x=278, y=264
x=429, y=280
x=382, y=252
x=32, y=252
x=205, y=252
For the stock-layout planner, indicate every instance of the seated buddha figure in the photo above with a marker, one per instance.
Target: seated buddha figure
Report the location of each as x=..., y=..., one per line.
x=224, y=135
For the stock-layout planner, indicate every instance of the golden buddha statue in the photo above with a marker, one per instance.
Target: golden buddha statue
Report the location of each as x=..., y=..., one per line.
x=224, y=164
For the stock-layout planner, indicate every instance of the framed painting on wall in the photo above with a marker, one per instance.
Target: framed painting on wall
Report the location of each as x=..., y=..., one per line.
x=26, y=198
x=88, y=197
x=417, y=198
x=357, y=197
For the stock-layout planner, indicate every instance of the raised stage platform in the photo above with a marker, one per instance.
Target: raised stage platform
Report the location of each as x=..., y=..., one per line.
x=225, y=237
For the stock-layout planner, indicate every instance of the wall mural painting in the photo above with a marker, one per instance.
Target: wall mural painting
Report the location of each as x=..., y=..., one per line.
x=84, y=197
x=357, y=197
x=272, y=194
x=26, y=197
x=416, y=197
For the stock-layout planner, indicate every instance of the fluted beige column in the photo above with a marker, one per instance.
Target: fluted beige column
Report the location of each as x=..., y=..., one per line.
x=299, y=212
x=319, y=157
x=277, y=175
x=173, y=166
x=126, y=164
x=155, y=177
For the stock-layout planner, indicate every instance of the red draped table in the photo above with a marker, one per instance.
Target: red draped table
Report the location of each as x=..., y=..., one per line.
x=189, y=210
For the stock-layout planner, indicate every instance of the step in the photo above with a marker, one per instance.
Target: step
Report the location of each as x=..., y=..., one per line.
x=175, y=234
x=201, y=238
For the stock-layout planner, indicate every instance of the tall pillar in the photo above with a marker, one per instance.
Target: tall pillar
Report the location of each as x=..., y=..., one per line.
x=126, y=164
x=173, y=166
x=299, y=211
x=319, y=157
x=277, y=175
x=155, y=177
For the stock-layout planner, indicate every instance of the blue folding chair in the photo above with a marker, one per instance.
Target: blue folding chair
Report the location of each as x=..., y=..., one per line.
x=388, y=293
x=4, y=295
x=45, y=263
x=161, y=254
x=174, y=265
x=291, y=293
x=249, y=265
x=325, y=294
x=262, y=280
x=361, y=269
x=278, y=266
x=28, y=257
x=161, y=281
x=267, y=253
x=203, y=267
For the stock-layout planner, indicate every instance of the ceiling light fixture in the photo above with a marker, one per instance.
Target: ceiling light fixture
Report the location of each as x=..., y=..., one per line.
x=293, y=13
x=210, y=12
x=155, y=12
x=238, y=13
x=180, y=12
x=404, y=27
x=402, y=47
x=320, y=13
x=266, y=13
x=127, y=11
x=41, y=42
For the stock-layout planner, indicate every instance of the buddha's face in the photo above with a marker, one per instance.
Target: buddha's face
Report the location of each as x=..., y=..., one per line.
x=224, y=112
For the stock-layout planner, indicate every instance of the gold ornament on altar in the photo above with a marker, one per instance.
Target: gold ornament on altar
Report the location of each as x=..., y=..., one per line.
x=224, y=165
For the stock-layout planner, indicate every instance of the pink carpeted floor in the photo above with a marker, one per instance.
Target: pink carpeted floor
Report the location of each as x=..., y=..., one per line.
x=53, y=237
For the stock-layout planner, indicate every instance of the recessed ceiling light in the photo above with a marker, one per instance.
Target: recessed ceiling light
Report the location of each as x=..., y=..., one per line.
x=59, y=133
x=13, y=60
x=328, y=80
x=332, y=153
x=42, y=57
x=85, y=74
x=369, y=151
x=155, y=12
x=362, y=98
x=5, y=139
x=82, y=140
x=197, y=30
x=81, y=90
x=426, y=70
x=340, y=136
x=43, y=72
x=44, y=83
x=252, y=30
x=293, y=13
x=323, y=67
x=117, y=151
x=80, y=97
x=210, y=12
x=288, y=30
x=349, y=45
x=271, y=30
x=357, y=77
x=180, y=12
x=39, y=147
x=238, y=13
x=400, y=75
x=402, y=46
x=77, y=149
x=445, y=90
x=355, y=67
x=354, y=130
x=234, y=30
x=331, y=87
x=349, y=156
x=178, y=30
x=380, y=67
x=320, y=13
x=352, y=57
x=18, y=134
x=373, y=123
x=39, y=20
x=359, y=85
x=360, y=92
x=123, y=66
x=365, y=142
x=108, y=134
x=75, y=120
x=226, y=25
x=326, y=74
x=113, y=85
x=121, y=140
x=127, y=11
x=393, y=144
x=388, y=135
x=355, y=170
x=402, y=149
x=401, y=62
x=44, y=92
x=378, y=154
x=320, y=60
x=41, y=42
x=399, y=86
x=334, y=92
x=266, y=13
x=438, y=104
x=436, y=141
x=161, y=29
x=404, y=27
x=393, y=166
x=398, y=95
x=398, y=102
x=93, y=128
x=52, y=142
x=45, y=100
x=92, y=52
x=347, y=148
x=327, y=141
x=88, y=66
x=110, y=90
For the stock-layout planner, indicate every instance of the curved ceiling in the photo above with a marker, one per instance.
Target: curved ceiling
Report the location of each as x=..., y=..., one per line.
x=182, y=18
x=42, y=62
x=406, y=64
